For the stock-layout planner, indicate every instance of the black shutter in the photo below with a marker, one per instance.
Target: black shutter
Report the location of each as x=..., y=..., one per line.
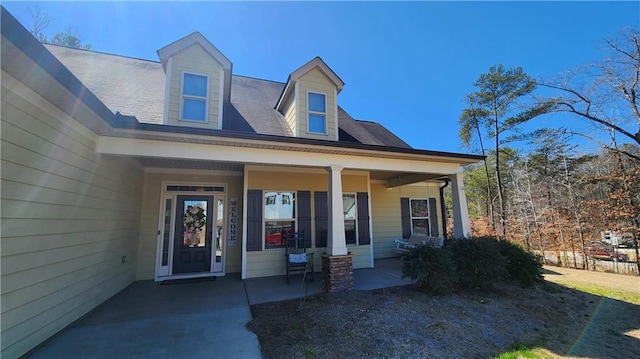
x=433, y=218
x=363, y=218
x=254, y=220
x=304, y=216
x=322, y=218
x=405, y=212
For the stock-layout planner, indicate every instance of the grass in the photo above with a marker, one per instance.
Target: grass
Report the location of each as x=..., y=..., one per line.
x=522, y=351
x=625, y=296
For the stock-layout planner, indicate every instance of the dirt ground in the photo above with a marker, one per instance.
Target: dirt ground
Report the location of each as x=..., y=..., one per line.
x=404, y=323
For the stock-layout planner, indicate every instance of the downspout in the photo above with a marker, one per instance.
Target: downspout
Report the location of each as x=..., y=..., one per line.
x=443, y=207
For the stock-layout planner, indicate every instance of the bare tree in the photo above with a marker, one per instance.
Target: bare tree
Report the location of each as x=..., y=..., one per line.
x=39, y=22
x=606, y=93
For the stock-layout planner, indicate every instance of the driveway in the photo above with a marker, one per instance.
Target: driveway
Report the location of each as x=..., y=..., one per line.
x=205, y=319
x=193, y=320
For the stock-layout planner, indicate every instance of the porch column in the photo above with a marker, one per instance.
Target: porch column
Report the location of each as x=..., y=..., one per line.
x=336, y=242
x=461, y=223
x=337, y=263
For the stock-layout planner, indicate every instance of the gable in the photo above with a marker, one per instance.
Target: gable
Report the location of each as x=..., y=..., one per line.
x=315, y=82
x=194, y=60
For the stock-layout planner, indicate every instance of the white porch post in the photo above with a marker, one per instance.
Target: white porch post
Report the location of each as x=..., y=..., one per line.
x=461, y=223
x=336, y=242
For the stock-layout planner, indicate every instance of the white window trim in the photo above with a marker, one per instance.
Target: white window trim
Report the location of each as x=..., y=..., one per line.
x=427, y=217
x=355, y=197
x=162, y=272
x=183, y=96
x=309, y=112
x=265, y=220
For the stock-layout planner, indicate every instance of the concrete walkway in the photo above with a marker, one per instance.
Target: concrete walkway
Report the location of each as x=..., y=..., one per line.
x=149, y=320
x=191, y=320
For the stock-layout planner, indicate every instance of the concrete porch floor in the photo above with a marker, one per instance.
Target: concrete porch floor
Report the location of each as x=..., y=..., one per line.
x=191, y=320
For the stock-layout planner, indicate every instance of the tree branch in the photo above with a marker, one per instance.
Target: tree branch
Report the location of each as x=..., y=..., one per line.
x=571, y=109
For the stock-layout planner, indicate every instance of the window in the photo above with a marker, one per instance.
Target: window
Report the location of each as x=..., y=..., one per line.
x=317, y=113
x=279, y=218
x=194, y=97
x=420, y=217
x=350, y=217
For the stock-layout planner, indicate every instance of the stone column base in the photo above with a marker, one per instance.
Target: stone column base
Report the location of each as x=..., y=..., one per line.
x=337, y=273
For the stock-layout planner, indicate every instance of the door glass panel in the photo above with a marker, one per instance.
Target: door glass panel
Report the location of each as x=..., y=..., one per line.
x=194, y=223
x=166, y=230
x=219, y=230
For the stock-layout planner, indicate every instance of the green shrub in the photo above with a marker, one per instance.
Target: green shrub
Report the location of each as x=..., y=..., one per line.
x=430, y=267
x=522, y=266
x=478, y=262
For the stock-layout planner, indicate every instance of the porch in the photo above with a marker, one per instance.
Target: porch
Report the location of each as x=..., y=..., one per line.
x=193, y=319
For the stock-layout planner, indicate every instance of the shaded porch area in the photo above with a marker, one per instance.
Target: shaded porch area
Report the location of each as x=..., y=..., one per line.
x=386, y=273
x=191, y=320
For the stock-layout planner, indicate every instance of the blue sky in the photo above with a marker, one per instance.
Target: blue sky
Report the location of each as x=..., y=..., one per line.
x=407, y=65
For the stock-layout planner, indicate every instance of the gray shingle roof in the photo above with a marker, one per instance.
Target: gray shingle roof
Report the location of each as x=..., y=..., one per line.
x=254, y=101
x=383, y=134
x=135, y=87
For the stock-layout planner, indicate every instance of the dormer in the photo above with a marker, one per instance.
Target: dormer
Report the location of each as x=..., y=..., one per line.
x=198, y=82
x=309, y=101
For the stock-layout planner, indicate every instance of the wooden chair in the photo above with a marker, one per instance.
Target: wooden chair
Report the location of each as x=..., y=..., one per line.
x=296, y=257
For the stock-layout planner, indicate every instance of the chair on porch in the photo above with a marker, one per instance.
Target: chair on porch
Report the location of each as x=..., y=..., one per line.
x=296, y=257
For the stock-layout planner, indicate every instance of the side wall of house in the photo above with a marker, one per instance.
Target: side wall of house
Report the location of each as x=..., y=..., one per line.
x=386, y=218
x=195, y=60
x=149, y=221
x=70, y=220
x=270, y=262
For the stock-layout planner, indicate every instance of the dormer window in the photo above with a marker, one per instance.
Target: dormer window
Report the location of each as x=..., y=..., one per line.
x=194, y=97
x=317, y=113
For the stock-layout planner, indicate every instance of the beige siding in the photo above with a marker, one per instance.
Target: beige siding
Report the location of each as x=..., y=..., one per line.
x=194, y=60
x=68, y=218
x=316, y=81
x=271, y=262
x=290, y=115
x=386, y=218
x=149, y=225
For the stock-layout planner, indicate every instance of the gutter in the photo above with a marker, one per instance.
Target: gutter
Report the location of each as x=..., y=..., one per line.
x=130, y=123
x=443, y=207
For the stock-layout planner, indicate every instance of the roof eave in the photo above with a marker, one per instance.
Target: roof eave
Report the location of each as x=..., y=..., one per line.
x=130, y=124
x=23, y=40
x=316, y=62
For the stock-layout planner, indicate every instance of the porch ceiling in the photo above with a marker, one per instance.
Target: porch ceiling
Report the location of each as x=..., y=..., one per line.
x=400, y=178
x=189, y=164
x=392, y=177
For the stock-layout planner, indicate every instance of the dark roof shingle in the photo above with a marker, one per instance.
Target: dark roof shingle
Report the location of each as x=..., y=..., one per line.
x=135, y=87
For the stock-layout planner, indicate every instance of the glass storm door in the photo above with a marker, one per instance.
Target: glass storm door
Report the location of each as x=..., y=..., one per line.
x=193, y=242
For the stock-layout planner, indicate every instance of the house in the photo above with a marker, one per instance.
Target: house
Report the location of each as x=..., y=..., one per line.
x=116, y=169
